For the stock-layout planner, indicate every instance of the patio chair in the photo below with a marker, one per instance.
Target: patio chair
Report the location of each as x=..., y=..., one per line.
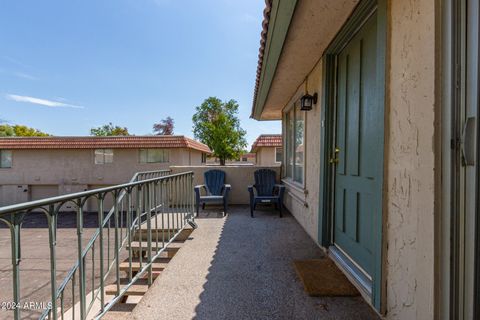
x=266, y=190
x=215, y=188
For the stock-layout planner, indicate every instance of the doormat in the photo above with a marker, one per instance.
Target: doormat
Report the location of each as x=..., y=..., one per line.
x=322, y=278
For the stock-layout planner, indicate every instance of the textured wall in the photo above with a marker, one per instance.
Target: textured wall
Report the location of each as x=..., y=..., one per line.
x=266, y=156
x=239, y=177
x=74, y=170
x=303, y=201
x=410, y=160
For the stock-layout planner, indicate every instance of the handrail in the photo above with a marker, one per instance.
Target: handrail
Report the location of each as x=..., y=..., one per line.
x=151, y=194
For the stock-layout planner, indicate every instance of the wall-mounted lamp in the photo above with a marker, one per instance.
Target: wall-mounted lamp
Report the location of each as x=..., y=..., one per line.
x=307, y=100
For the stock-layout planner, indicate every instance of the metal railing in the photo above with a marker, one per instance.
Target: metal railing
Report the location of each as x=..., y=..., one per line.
x=154, y=203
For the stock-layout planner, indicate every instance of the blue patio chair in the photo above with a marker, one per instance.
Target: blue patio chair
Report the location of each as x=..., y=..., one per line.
x=266, y=190
x=215, y=188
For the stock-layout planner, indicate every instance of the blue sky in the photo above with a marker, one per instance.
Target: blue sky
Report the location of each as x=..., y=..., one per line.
x=68, y=66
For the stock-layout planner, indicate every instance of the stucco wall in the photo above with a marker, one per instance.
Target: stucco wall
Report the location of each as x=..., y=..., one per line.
x=410, y=160
x=266, y=156
x=303, y=200
x=72, y=170
x=239, y=177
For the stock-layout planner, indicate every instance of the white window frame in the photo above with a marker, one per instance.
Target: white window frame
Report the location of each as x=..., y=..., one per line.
x=293, y=110
x=165, y=158
x=281, y=156
x=102, y=154
x=2, y=166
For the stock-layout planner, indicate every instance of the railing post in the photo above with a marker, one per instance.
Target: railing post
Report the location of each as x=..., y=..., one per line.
x=116, y=242
x=81, y=265
x=52, y=237
x=16, y=257
x=100, y=239
x=129, y=230
x=149, y=233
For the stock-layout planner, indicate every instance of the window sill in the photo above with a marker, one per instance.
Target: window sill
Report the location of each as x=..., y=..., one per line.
x=293, y=184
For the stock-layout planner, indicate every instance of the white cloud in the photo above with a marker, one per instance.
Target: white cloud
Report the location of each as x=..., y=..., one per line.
x=24, y=76
x=42, y=102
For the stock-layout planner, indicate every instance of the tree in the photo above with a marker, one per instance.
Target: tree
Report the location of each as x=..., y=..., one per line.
x=216, y=124
x=20, y=131
x=164, y=127
x=109, y=130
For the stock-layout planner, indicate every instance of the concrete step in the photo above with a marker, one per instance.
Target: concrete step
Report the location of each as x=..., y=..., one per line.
x=158, y=265
x=139, y=288
x=169, y=251
x=183, y=236
x=119, y=311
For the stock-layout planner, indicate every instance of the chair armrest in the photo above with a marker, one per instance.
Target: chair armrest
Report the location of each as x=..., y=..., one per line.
x=226, y=189
x=198, y=189
x=251, y=189
x=281, y=190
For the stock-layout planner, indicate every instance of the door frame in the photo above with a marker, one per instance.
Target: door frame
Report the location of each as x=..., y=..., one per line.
x=364, y=10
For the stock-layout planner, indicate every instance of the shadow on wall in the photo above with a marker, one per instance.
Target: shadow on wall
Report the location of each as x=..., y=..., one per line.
x=252, y=276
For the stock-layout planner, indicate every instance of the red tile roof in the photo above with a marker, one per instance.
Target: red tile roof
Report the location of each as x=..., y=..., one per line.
x=263, y=42
x=267, y=140
x=114, y=142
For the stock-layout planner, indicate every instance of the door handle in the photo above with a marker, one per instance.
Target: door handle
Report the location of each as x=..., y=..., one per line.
x=468, y=142
x=335, y=159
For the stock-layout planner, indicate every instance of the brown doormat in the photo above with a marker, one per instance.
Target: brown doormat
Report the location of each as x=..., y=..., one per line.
x=322, y=278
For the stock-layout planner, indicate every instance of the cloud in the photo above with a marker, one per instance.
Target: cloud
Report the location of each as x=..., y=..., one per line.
x=42, y=102
x=24, y=76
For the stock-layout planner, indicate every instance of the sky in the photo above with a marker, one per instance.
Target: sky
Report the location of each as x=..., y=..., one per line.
x=68, y=66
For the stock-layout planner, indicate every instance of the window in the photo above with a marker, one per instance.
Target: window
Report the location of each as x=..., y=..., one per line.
x=5, y=158
x=278, y=155
x=153, y=155
x=103, y=156
x=204, y=157
x=294, y=144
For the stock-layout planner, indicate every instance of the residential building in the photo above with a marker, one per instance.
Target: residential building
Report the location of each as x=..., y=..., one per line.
x=249, y=158
x=378, y=101
x=268, y=149
x=40, y=167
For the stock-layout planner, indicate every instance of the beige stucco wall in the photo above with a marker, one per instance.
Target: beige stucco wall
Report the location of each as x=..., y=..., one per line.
x=410, y=160
x=303, y=200
x=266, y=156
x=35, y=173
x=239, y=177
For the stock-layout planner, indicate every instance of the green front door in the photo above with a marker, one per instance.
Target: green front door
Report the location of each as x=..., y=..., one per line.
x=359, y=152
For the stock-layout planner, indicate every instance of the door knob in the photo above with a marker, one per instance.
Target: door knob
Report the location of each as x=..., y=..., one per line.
x=335, y=159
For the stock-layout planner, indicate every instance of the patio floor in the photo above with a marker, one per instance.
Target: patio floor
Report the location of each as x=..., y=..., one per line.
x=236, y=267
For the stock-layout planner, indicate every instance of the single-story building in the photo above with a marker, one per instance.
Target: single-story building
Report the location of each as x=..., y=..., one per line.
x=249, y=158
x=379, y=102
x=39, y=167
x=268, y=149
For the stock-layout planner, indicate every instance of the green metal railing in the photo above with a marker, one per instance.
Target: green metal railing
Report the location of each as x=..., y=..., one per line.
x=154, y=202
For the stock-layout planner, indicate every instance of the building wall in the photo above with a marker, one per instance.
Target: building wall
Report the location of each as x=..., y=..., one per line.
x=410, y=160
x=266, y=156
x=408, y=211
x=36, y=174
x=239, y=177
x=303, y=200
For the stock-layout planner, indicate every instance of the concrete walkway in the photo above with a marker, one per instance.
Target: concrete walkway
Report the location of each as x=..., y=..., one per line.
x=242, y=268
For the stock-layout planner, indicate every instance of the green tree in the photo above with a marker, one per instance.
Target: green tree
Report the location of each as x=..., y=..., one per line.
x=20, y=131
x=109, y=130
x=216, y=124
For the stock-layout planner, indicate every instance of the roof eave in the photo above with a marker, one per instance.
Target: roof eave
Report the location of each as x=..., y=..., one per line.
x=276, y=24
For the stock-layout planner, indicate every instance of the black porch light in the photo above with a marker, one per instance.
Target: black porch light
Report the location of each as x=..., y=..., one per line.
x=307, y=100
